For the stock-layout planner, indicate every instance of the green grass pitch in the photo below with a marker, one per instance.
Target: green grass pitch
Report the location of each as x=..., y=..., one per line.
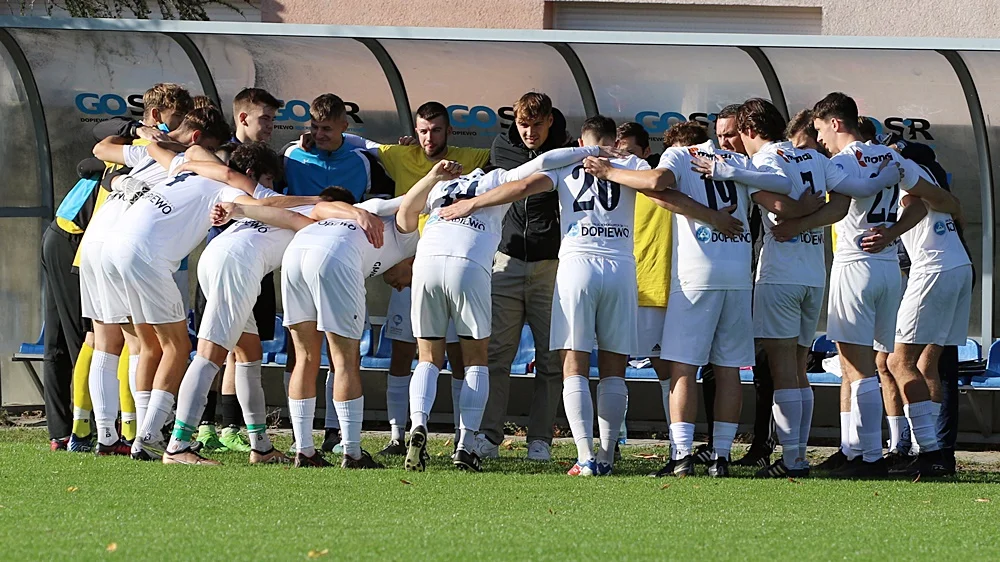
x=64, y=506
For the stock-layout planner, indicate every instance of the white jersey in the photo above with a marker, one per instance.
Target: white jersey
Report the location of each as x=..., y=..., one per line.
x=702, y=258
x=344, y=240
x=933, y=245
x=144, y=168
x=596, y=216
x=801, y=260
x=170, y=220
x=252, y=240
x=863, y=160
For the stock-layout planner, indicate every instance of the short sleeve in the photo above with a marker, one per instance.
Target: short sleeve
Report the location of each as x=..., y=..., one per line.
x=553, y=176
x=768, y=162
x=833, y=174
x=911, y=172
x=261, y=192
x=229, y=194
x=134, y=154
x=389, y=155
x=674, y=160
x=843, y=161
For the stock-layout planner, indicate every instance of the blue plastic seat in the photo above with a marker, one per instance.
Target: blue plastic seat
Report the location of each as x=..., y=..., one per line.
x=645, y=373
x=971, y=351
x=746, y=375
x=823, y=378
x=37, y=348
x=383, y=354
x=278, y=345
x=525, y=352
x=824, y=345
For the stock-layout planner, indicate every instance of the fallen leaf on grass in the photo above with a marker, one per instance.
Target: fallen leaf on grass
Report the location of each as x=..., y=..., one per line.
x=794, y=481
x=928, y=501
x=449, y=443
x=318, y=553
x=646, y=456
x=917, y=479
x=112, y=547
x=563, y=463
x=551, y=512
x=876, y=494
x=407, y=482
x=982, y=500
x=508, y=444
x=72, y=489
x=696, y=486
x=665, y=486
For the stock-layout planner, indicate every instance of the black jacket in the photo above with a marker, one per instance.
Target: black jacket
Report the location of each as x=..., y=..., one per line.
x=531, y=226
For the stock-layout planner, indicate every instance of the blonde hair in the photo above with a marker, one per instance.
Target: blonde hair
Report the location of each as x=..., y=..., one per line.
x=167, y=96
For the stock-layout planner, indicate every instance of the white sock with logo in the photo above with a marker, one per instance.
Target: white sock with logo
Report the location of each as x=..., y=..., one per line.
x=579, y=408
x=475, y=393
x=104, y=388
x=423, y=391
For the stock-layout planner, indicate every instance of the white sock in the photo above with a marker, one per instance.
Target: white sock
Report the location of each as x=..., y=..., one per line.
x=472, y=404
x=896, y=427
x=580, y=413
x=103, y=383
x=133, y=368
x=161, y=404
x=723, y=434
x=808, y=401
x=250, y=393
x=397, y=400
x=922, y=426
x=288, y=381
x=845, y=433
x=612, y=400
x=191, y=399
x=141, y=398
x=787, y=413
x=936, y=413
x=456, y=408
x=302, y=413
x=681, y=439
x=665, y=396
x=423, y=390
x=868, y=397
x=331, y=421
x=351, y=414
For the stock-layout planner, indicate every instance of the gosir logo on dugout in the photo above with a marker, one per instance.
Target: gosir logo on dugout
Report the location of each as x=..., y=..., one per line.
x=910, y=128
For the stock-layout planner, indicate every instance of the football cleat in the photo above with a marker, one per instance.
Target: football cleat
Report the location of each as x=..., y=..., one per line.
x=703, y=454
x=186, y=456
x=925, y=465
x=80, y=444
x=719, y=468
x=362, y=462
x=833, y=462
x=858, y=468
x=395, y=448
x=315, y=461
x=233, y=440
x=467, y=460
x=777, y=469
x=753, y=458
x=119, y=449
x=898, y=460
x=273, y=456
x=59, y=444
x=331, y=441
x=209, y=439
x=604, y=469
x=416, y=454
x=584, y=468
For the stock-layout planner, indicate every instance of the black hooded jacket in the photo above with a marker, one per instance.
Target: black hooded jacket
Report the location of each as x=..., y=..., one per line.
x=531, y=226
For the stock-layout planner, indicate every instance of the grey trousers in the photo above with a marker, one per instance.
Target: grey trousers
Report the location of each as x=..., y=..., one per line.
x=522, y=292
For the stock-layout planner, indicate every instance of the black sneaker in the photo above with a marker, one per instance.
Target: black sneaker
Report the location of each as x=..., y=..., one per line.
x=144, y=455
x=666, y=470
x=898, y=460
x=676, y=467
x=703, y=454
x=364, y=461
x=331, y=438
x=833, y=462
x=466, y=460
x=395, y=448
x=315, y=461
x=120, y=449
x=755, y=459
x=777, y=469
x=719, y=468
x=416, y=454
x=925, y=465
x=858, y=468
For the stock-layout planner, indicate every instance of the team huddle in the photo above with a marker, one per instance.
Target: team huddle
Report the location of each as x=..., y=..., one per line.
x=654, y=261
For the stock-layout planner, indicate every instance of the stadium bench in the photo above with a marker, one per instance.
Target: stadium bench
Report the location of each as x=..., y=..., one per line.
x=524, y=359
x=30, y=353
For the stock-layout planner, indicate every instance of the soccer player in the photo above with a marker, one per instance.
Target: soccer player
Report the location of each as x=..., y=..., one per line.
x=710, y=291
x=791, y=276
x=254, y=110
x=323, y=287
x=407, y=164
x=451, y=281
x=865, y=286
x=99, y=300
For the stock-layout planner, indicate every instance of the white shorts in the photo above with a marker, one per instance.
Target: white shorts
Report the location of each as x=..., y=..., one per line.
x=864, y=300
x=935, y=308
x=231, y=288
x=787, y=311
x=649, y=322
x=90, y=288
x=318, y=287
x=397, y=319
x=448, y=287
x=149, y=289
x=595, y=296
x=709, y=327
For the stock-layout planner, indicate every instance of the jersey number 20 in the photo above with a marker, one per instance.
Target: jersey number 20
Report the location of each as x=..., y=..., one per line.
x=608, y=192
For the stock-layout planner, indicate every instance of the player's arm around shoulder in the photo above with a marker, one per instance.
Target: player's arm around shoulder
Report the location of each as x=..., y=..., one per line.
x=415, y=201
x=245, y=207
x=638, y=177
x=936, y=197
x=501, y=195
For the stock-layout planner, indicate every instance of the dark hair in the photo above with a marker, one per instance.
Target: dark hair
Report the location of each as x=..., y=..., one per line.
x=761, y=117
x=802, y=122
x=599, y=125
x=685, y=133
x=257, y=158
x=432, y=110
x=327, y=107
x=249, y=98
x=728, y=112
x=636, y=131
x=210, y=121
x=837, y=106
x=866, y=129
x=335, y=193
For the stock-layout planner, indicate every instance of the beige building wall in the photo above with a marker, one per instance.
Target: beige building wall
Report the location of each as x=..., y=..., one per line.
x=901, y=18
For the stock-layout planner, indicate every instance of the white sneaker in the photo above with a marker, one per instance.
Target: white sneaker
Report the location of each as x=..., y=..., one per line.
x=539, y=451
x=485, y=449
